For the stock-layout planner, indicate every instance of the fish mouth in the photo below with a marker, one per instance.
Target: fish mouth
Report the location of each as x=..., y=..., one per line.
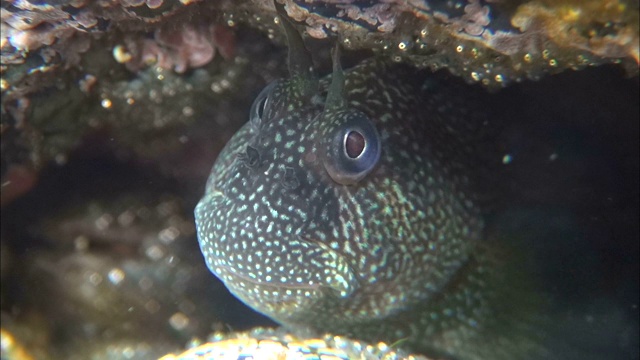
x=278, y=276
x=227, y=272
x=277, y=300
x=270, y=295
x=270, y=291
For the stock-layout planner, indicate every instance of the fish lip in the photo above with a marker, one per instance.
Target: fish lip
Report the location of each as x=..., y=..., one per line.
x=273, y=297
x=347, y=283
x=225, y=270
x=211, y=198
x=331, y=275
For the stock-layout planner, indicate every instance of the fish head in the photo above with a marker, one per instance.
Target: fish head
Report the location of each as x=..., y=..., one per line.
x=259, y=222
x=270, y=206
x=316, y=204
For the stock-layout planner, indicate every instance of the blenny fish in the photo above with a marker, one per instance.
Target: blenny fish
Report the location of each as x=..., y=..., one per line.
x=348, y=205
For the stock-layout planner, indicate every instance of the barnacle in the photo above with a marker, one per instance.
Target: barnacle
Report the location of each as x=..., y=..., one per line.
x=262, y=343
x=179, y=49
x=493, y=43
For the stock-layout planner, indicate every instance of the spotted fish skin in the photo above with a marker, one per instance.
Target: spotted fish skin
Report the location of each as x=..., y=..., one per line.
x=391, y=256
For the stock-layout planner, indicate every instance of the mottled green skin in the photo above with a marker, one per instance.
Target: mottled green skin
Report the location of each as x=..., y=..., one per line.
x=398, y=255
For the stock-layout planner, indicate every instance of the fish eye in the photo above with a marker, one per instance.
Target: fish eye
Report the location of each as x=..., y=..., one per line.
x=260, y=104
x=353, y=148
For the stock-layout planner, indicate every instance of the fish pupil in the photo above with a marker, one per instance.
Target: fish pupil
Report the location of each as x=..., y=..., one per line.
x=354, y=144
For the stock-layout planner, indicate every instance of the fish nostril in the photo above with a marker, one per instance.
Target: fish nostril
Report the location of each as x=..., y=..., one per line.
x=250, y=157
x=289, y=179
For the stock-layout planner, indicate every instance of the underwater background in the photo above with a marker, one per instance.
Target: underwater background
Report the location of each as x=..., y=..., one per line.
x=113, y=114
